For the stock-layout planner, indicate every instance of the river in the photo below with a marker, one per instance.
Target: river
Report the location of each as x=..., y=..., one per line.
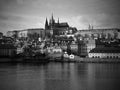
x=60, y=76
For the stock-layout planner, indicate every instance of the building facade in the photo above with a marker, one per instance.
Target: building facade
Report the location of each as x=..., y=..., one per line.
x=7, y=50
x=13, y=34
x=1, y=35
x=91, y=44
x=54, y=29
x=100, y=33
x=82, y=48
x=22, y=33
x=105, y=52
x=27, y=33
x=36, y=32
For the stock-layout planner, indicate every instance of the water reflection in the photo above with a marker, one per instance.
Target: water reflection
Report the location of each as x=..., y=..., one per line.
x=60, y=76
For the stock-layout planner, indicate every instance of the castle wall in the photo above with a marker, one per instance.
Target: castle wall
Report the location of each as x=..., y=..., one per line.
x=99, y=32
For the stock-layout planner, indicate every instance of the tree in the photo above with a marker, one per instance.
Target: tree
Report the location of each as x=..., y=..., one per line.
x=30, y=36
x=87, y=36
x=109, y=36
x=92, y=36
x=68, y=49
x=103, y=35
x=115, y=35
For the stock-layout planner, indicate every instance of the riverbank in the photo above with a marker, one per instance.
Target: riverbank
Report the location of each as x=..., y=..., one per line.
x=76, y=59
x=97, y=60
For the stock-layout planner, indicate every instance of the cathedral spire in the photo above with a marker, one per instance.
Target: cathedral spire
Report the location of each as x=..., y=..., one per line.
x=58, y=20
x=46, y=24
x=52, y=17
x=52, y=22
x=89, y=27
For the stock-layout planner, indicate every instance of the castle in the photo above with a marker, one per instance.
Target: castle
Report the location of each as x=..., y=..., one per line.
x=52, y=24
x=53, y=28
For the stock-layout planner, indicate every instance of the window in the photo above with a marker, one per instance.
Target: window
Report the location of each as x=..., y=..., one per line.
x=113, y=56
x=107, y=56
x=110, y=56
x=117, y=57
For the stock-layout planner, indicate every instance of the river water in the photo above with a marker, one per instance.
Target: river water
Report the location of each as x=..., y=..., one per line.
x=60, y=76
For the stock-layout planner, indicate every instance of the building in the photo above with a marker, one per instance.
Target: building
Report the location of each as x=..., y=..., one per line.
x=1, y=35
x=6, y=40
x=7, y=50
x=57, y=50
x=91, y=44
x=53, y=29
x=82, y=48
x=100, y=33
x=22, y=33
x=27, y=33
x=13, y=34
x=85, y=46
x=31, y=33
x=105, y=52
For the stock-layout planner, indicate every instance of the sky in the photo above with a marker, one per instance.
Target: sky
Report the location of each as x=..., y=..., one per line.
x=24, y=14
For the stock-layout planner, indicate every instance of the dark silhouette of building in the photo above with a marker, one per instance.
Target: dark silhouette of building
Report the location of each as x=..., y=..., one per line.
x=53, y=28
x=52, y=24
x=82, y=48
x=1, y=35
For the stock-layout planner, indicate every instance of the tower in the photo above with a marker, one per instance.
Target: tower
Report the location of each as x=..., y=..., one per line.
x=46, y=24
x=52, y=18
x=58, y=21
x=52, y=22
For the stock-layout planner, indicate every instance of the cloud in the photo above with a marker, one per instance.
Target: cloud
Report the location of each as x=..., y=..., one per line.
x=13, y=21
x=20, y=1
x=97, y=20
x=9, y=17
x=20, y=14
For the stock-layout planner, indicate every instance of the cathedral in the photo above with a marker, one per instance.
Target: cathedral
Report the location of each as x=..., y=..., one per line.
x=53, y=28
x=52, y=24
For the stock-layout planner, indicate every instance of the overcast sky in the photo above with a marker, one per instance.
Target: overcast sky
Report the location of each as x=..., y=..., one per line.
x=23, y=14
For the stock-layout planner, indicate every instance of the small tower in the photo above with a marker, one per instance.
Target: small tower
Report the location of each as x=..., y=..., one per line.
x=46, y=24
x=92, y=27
x=52, y=18
x=52, y=22
x=89, y=27
x=58, y=21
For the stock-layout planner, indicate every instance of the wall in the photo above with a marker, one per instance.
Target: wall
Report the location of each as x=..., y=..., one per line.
x=104, y=55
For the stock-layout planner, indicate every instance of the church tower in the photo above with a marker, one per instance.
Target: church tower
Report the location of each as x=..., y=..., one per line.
x=46, y=24
x=52, y=22
x=58, y=21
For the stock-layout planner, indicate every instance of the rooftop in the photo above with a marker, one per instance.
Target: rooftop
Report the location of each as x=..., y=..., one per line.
x=106, y=50
x=99, y=29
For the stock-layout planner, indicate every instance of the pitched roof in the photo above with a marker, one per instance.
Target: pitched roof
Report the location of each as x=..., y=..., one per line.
x=99, y=29
x=106, y=50
x=65, y=24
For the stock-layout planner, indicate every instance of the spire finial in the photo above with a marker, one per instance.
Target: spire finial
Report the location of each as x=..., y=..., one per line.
x=52, y=16
x=89, y=27
x=46, y=20
x=46, y=24
x=52, y=21
x=58, y=20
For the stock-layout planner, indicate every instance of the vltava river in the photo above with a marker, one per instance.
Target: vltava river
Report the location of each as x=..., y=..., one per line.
x=60, y=76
